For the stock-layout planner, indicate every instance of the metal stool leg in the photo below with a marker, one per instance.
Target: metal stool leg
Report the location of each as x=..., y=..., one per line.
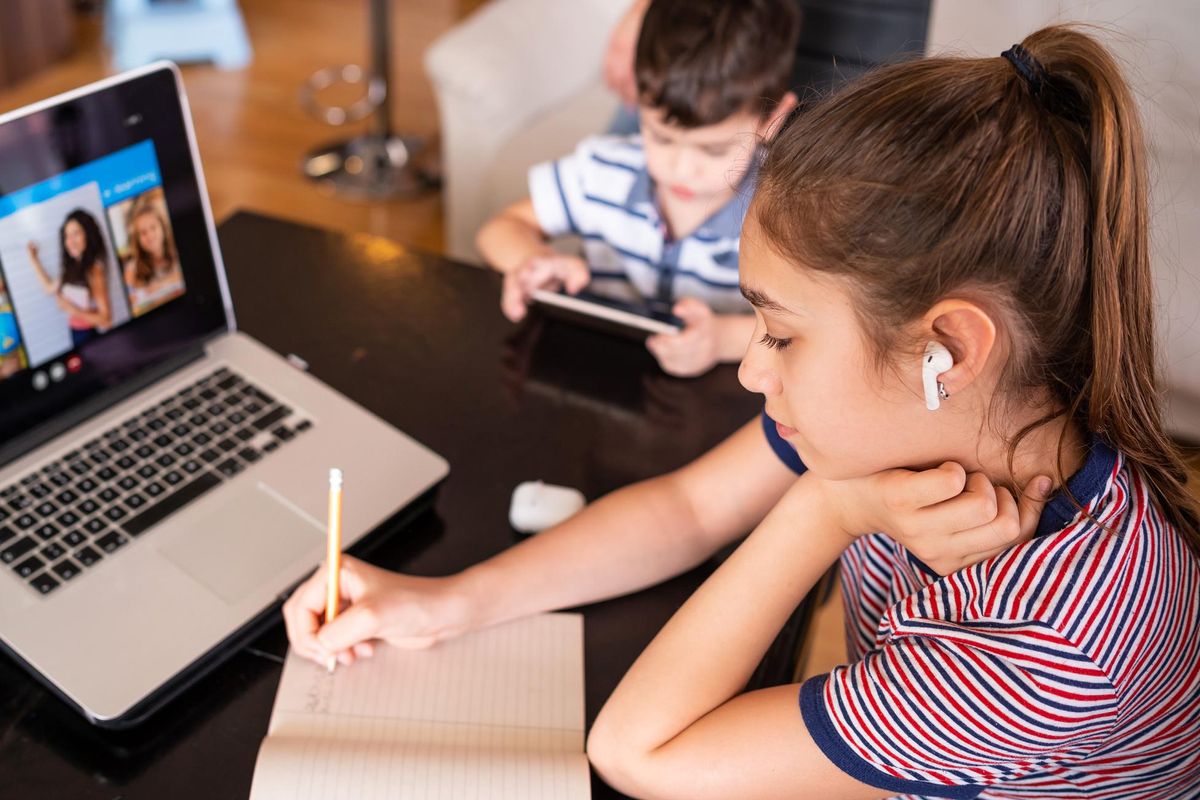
x=378, y=164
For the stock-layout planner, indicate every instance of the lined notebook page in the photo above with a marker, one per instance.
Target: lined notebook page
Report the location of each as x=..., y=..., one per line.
x=495, y=714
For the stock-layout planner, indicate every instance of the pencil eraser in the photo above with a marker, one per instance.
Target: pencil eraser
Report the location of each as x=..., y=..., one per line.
x=335, y=478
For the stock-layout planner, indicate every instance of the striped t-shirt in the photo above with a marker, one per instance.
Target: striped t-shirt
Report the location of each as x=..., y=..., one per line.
x=603, y=194
x=1067, y=666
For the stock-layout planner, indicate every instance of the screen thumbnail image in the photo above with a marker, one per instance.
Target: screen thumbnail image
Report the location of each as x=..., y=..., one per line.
x=12, y=354
x=62, y=273
x=146, y=248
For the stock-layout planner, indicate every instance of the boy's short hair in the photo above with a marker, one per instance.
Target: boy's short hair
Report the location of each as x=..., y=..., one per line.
x=702, y=61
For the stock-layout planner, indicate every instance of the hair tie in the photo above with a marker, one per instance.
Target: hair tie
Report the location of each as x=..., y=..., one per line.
x=1029, y=67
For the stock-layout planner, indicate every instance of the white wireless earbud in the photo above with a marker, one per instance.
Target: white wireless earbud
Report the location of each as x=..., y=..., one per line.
x=936, y=361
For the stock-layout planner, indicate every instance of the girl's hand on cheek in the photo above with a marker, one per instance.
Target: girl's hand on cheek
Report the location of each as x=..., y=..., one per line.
x=945, y=517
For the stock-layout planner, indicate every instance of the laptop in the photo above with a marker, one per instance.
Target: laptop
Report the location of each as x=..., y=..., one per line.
x=163, y=477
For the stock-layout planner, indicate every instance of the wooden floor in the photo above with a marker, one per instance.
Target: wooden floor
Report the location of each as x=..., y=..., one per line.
x=253, y=133
x=251, y=129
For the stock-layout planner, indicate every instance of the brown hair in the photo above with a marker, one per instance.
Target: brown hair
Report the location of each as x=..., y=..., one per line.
x=143, y=270
x=964, y=177
x=702, y=61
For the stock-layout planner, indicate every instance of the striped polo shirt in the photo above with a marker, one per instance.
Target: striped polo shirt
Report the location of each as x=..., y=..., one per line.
x=1067, y=666
x=603, y=194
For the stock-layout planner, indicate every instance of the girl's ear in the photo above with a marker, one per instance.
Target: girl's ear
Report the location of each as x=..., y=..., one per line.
x=769, y=126
x=969, y=332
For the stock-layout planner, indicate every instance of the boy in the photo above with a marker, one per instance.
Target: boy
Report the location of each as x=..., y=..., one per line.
x=660, y=214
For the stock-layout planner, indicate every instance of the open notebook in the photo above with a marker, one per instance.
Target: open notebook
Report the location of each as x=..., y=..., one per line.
x=496, y=714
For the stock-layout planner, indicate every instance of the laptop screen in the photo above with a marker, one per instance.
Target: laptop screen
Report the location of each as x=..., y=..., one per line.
x=106, y=267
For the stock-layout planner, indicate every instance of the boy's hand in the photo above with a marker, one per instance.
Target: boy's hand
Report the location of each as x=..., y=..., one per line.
x=943, y=516
x=618, y=58
x=694, y=350
x=402, y=610
x=541, y=272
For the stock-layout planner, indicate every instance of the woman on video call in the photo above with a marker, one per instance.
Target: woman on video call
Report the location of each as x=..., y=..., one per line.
x=152, y=271
x=81, y=289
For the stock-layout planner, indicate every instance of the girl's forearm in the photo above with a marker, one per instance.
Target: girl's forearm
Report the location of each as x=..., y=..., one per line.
x=707, y=652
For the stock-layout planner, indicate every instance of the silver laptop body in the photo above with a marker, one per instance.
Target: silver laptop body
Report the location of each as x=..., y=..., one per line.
x=167, y=592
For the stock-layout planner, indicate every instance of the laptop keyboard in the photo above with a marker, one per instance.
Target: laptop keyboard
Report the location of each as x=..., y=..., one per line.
x=70, y=515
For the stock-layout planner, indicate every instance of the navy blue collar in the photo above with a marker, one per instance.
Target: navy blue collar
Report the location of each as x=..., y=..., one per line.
x=1085, y=485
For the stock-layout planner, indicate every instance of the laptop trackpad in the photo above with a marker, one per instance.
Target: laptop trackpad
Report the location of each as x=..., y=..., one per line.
x=237, y=546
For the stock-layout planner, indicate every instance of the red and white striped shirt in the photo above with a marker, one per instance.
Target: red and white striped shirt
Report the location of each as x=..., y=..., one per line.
x=1068, y=666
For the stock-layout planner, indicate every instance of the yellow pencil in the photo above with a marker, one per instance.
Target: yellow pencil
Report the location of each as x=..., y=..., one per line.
x=334, y=556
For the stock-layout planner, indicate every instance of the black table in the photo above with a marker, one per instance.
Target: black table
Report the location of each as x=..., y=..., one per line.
x=420, y=341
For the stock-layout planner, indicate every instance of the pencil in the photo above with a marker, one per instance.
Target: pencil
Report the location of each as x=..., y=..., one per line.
x=334, y=555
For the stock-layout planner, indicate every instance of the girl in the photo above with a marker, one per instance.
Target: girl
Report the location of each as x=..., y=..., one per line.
x=152, y=271
x=81, y=289
x=997, y=206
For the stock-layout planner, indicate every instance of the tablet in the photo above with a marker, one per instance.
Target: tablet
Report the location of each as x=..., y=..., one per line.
x=637, y=320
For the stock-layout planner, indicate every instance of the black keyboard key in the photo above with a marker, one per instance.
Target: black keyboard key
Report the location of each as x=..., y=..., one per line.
x=218, y=428
x=108, y=494
x=74, y=538
x=262, y=396
x=126, y=462
x=87, y=556
x=208, y=394
x=25, y=521
x=173, y=478
x=202, y=438
x=231, y=381
x=211, y=455
x=191, y=466
x=81, y=467
x=119, y=445
x=135, y=501
x=138, y=434
x=145, y=451
x=271, y=417
x=86, y=485
x=20, y=503
x=100, y=456
x=237, y=418
x=111, y=541
x=216, y=409
x=4, y=515
x=116, y=513
x=270, y=446
x=227, y=445
x=165, y=460
x=162, y=440
x=249, y=454
x=44, y=583
x=172, y=503
x=302, y=426
x=245, y=434
x=147, y=471
x=60, y=479
x=191, y=404
x=45, y=509
x=66, y=497
x=88, y=506
x=66, y=570
x=46, y=531
x=175, y=414
x=94, y=526
x=28, y=479
x=67, y=519
x=39, y=490
x=252, y=408
x=156, y=424
x=29, y=566
x=184, y=449
x=6, y=533
x=155, y=488
x=70, y=455
x=283, y=433
x=128, y=483
x=106, y=474
x=17, y=549
x=230, y=467
x=52, y=551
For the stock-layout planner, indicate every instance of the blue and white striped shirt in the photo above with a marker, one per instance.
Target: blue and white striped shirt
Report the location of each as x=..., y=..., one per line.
x=603, y=194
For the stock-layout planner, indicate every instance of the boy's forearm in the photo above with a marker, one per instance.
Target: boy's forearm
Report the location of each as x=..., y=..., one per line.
x=735, y=331
x=506, y=243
